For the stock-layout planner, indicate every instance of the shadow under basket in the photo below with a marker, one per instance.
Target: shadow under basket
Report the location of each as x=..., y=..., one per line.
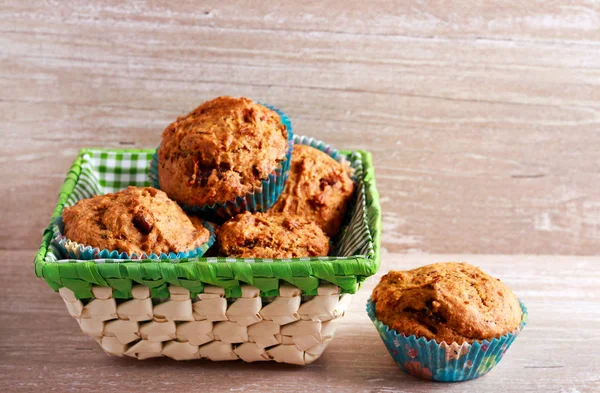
x=216, y=308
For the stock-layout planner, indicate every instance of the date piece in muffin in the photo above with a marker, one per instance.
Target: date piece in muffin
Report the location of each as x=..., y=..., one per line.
x=318, y=188
x=446, y=302
x=271, y=235
x=221, y=150
x=135, y=220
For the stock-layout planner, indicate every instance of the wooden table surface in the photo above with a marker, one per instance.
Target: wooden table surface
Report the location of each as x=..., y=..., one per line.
x=482, y=116
x=42, y=348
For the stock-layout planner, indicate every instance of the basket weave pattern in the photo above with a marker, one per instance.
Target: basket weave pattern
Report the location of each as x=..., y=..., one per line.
x=290, y=328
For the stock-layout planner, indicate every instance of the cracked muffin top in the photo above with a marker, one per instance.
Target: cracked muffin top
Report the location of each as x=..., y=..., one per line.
x=451, y=302
x=222, y=149
x=318, y=188
x=271, y=235
x=135, y=220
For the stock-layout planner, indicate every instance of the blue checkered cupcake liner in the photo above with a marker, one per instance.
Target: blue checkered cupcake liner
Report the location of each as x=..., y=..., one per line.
x=430, y=360
x=260, y=200
x=74, y=250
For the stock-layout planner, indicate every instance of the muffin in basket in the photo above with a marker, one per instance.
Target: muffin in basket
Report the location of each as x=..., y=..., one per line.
x=319, y=189
x=138, y=222
x=446, y=321
x=271, y=235
x=227, y=155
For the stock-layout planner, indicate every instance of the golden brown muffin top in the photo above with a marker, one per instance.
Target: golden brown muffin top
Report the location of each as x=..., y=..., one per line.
x=271, y=235
x=318, y=189
x=222, y=149
x=451, y=302
x=135, y=220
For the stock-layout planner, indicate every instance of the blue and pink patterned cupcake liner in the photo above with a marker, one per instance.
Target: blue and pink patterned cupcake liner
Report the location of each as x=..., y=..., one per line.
x=74, y=250
x=260, y=200
x=427, y=359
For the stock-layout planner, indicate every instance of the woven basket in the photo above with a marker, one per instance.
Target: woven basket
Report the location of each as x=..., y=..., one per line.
x=216, y=308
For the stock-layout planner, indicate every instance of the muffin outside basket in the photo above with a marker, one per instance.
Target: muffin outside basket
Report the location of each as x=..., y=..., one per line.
x=427, y=359
x=215, y=308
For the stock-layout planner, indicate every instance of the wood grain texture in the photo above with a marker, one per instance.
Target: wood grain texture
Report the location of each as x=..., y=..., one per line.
x=482, y=116
x=43, y=348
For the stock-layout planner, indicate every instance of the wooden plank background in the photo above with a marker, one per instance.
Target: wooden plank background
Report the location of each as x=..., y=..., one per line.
x=482, y=116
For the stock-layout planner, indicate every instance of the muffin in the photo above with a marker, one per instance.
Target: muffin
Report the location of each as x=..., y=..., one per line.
x=137, y=220
x=451, y=302
x=318, y=188
x=271, y=235
x=446, y=321
x=223, y=149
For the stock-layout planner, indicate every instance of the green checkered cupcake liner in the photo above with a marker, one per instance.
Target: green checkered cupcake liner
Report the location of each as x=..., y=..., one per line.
x=76, y=250
x=260, y=200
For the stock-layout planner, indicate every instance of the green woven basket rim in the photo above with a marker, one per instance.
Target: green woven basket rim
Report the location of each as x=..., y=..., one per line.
x=193, y=274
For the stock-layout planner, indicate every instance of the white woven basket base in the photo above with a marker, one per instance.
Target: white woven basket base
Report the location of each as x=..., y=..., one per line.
x=287, y=329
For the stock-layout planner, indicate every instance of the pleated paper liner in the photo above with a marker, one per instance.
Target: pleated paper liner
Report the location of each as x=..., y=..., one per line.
x=319, y=145
x=430, y=360
x=76, y=250
x=260, y=200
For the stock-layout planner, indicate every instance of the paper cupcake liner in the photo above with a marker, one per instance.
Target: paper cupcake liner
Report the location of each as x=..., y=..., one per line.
x=324, y=147
x=260, y=200
x=430, y=360
x=76, y=250
x=319, y=145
